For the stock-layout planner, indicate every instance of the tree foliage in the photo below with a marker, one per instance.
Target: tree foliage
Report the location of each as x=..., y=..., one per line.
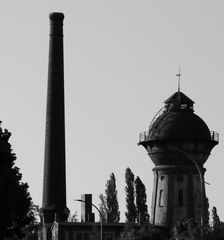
x=103, y=208
x=131, y=213
x=109, y=204
x=73, y=217
x=15, y=200
x=142, y=232
x=217, y=227
x=215, y=219
x=141, y=206
x=187, y=230
x=192, y=231
x=32, y=230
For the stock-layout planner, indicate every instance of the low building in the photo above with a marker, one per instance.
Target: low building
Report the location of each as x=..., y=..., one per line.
x=86, y=230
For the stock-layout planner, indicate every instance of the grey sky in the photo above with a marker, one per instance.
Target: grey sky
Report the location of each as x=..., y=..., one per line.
x=121, y=58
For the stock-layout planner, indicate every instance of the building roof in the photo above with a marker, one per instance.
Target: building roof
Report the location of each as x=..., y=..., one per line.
x=179, y=96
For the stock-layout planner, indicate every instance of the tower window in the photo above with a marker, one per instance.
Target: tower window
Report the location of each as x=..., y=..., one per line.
x=161, y=198
x=180, y=198
x=183, y=106
x=162, y=178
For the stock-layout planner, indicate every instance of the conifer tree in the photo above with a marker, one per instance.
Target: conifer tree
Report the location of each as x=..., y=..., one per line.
x=103, y=208
x=15, y=200
x=130, y=196
x=113, y=214
x=215, y=219
x=141, y=198
x=217, y=226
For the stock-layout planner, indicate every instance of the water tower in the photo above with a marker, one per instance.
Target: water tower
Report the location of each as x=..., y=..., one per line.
x=178, y=142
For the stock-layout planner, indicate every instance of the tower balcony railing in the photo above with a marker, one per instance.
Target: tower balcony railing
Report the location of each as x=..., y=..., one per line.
x=214, y=136
x=144, y=136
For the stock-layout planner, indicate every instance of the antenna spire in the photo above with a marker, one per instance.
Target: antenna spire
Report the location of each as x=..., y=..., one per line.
x=178, y=75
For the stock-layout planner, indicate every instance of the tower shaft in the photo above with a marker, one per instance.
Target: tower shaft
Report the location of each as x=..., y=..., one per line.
x=54, y=183
x=177, y=195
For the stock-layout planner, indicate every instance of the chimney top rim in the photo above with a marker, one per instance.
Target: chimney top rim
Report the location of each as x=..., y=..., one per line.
x=56, y=16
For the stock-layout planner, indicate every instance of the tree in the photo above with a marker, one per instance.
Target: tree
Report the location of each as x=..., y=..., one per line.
x=15, y=200
x=73, y=217
x=113, y=214
x=217, y=226
x=32, y=230
x=215, y=219
x=141, y=197
x=103, y=208
x=130, y=196
x=187, y=230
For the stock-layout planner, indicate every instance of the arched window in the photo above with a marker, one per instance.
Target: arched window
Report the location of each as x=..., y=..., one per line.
x=180, y=198
x=161, y=198
x=162, y=178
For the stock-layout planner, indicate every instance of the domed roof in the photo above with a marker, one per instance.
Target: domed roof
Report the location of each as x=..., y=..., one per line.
x=179, y=126
x=178, y=121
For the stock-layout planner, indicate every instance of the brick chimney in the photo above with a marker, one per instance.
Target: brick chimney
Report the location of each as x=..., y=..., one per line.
x=54, y=181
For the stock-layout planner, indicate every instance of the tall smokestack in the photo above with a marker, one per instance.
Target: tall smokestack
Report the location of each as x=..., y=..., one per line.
x=54, y=183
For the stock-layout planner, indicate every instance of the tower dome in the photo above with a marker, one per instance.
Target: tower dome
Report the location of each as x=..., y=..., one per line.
x=176, y=126
x=178, y=121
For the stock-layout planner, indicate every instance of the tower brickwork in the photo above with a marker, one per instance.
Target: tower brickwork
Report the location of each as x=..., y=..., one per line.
x=179, y=143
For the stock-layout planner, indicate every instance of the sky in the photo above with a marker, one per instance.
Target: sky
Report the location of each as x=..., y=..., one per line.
x=120, y=59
